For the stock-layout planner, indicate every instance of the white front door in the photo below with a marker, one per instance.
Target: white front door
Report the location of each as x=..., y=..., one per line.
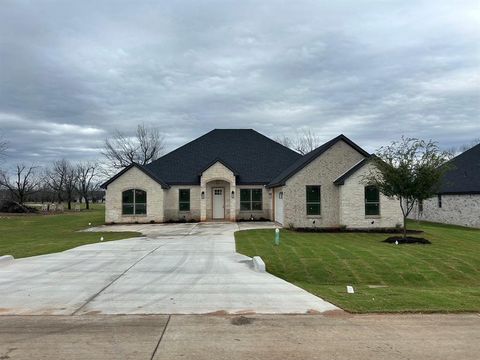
x=218, y=203
x=279, y=207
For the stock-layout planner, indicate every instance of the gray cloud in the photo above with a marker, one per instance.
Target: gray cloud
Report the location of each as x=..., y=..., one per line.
x=72, y=72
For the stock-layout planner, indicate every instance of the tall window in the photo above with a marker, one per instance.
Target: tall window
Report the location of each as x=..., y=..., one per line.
x=184, y=199
x=134, y=202
x=372, y=200
x=439, y=200
x=250, y=199
x=314, y=200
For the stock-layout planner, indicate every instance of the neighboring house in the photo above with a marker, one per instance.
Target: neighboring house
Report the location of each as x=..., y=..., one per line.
x=240, y=174
x=458, y=201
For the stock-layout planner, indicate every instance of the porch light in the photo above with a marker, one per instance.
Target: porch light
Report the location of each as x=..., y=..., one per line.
x=233, y=194
x=203, y=194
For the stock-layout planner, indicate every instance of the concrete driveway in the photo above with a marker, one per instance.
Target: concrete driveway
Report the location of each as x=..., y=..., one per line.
x=174, y=269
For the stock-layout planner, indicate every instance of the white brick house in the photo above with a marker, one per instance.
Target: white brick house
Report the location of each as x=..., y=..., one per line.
x=235, y=174
x=458, y=201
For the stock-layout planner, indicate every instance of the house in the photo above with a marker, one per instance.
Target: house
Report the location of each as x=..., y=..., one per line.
x=240, y=174
x=458, y=201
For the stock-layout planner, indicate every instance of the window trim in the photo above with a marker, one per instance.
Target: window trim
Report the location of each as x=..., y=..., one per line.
x=319, y=202
x=366, y=202
x=184, y=202
x=251, y=201
x=134, y=203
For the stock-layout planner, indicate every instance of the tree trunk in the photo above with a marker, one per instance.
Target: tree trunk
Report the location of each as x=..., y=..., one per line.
x=87, y=203
x=69, y=204
x=404, y=227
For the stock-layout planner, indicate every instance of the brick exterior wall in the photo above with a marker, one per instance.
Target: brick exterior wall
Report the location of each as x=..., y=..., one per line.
x=266, y=212
x=323, y=171
x=352, y=205
x=171, y=206
x=461, y=210
x=340, y=205
x=134, y=179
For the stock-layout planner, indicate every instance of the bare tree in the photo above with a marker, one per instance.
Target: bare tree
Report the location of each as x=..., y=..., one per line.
x=303, y=142
x=55, y=177
x=86, y=172
x=122, y=150
x=24, y=182
x=70, y=185
x=456, y=150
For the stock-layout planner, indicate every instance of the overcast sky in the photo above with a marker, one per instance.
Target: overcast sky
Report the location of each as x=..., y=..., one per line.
x=71, y=72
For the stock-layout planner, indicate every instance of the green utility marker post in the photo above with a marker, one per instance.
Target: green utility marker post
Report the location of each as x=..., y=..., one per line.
x=277, y=236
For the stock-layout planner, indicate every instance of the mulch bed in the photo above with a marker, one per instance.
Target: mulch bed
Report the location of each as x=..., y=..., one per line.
x=352, y=230
x=407, y=240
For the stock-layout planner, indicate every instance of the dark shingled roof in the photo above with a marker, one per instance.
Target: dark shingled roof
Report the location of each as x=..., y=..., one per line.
x=464, y=176
x=298, y=165
x=255, y=158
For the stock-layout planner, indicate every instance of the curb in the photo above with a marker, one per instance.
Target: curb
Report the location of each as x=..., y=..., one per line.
x=6, y=258
x=258, y=264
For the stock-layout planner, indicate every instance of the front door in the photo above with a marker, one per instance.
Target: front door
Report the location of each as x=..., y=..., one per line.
x=218, y=203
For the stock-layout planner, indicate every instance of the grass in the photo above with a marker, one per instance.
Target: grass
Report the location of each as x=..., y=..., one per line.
x=23, y=236
x=442, y=277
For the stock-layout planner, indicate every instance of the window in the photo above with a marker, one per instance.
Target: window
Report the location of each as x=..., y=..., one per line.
x=134, y=202
x=439, y=200
x=313, y=200
x=372, y=200
x=184, y=199
x=250, y=199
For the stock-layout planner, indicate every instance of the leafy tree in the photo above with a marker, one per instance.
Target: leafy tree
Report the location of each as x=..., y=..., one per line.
x=410, y=170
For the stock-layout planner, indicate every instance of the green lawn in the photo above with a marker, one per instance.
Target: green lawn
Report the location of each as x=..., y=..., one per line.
x=442, y=277
x=23, y=236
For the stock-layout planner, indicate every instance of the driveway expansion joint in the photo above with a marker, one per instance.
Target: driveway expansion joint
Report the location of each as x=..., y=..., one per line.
x=161, y=337
x=91, y=298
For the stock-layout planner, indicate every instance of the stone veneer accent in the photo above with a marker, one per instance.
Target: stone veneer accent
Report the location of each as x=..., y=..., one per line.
x=459, y=209
x=134, y=179
x=219, y=174
x=352, y=204
x=323, y=171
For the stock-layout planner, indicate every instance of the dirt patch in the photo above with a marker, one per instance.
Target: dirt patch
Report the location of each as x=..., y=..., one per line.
x=218, y=312
x=408, y=240
x=337, y=313
x=241, y=320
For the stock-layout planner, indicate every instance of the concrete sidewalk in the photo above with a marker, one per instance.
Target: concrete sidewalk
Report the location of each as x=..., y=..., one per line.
x=174, y=269
x=265, y=337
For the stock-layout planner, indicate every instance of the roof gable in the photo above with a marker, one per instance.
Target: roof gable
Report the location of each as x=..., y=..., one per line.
x=341, y=179
x=298, y=165
x=220, y=161
x=141, y=168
